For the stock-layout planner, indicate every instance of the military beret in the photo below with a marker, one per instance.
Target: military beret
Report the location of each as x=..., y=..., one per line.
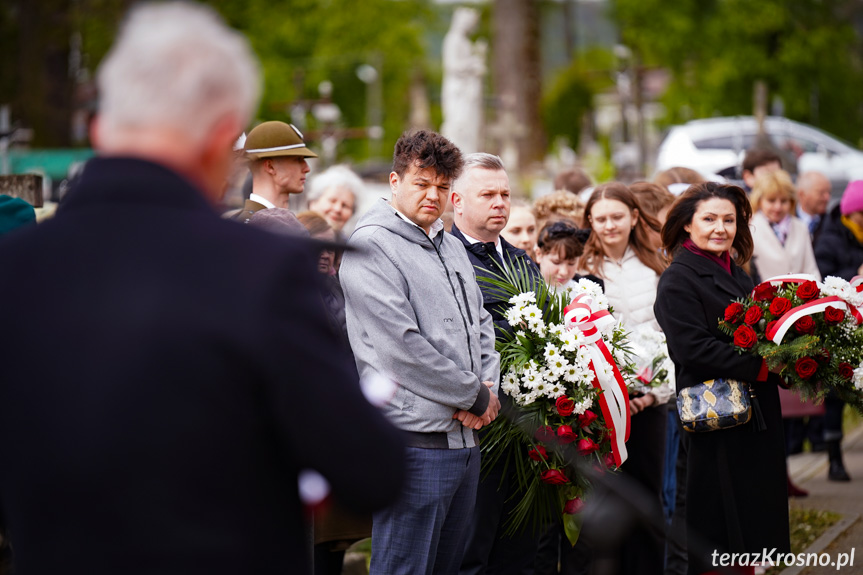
x=272, y=139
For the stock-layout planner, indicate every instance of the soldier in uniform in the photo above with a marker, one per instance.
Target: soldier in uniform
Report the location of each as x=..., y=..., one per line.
x=277, y=159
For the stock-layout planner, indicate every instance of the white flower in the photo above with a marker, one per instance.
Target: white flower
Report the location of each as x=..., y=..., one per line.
x=569, y=340
x=572, y=374
x=583, y=358
x=600, y=302
x=558, y=366
x=523, y=299
x=556, y=329
x=858, y=377
x=551, y=352
x=583, y=405
x=833, y=286
x=529, y=379
x=588, y=287
x=514, y=315
x=532, y=313
x=556, y=390
x=527, y=398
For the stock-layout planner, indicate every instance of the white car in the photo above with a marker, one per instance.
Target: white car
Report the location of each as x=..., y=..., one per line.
x=713, y=145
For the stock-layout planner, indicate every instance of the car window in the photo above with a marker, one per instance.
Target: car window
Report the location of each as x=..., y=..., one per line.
x=734, y=142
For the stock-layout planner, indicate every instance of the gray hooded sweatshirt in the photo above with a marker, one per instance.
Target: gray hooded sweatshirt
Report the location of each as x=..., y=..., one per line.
x=415, y=316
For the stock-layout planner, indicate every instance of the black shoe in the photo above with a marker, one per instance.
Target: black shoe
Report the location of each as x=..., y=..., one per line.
x=837, y=470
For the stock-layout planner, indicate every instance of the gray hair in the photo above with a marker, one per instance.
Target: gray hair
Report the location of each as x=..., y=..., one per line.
x=479, y=161
x=339, y=176
x=177, y=64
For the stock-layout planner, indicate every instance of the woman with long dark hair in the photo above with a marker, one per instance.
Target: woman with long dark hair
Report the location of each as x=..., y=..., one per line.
x=736, y=492
x=621, y=252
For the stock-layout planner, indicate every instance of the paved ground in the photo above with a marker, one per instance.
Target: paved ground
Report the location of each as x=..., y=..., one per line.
x=809, y=470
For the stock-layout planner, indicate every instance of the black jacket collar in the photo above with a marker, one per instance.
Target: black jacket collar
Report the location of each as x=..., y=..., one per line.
x=734, y=284
x=510, y=251
x=132, y=181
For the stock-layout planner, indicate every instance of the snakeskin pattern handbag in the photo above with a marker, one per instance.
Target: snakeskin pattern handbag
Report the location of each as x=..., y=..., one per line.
x=715, y=404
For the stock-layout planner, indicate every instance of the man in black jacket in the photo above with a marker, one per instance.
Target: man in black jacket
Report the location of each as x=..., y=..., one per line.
x=481, y=199
x=148, y=423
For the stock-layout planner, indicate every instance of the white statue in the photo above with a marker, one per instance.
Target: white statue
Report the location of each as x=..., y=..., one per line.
x=463, y=71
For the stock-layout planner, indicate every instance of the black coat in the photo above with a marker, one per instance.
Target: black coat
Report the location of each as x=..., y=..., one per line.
x=736, y=489
x=165, y=375
x=837, y=251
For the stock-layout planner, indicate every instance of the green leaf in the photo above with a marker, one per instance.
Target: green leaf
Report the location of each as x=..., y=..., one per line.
x=572, y=526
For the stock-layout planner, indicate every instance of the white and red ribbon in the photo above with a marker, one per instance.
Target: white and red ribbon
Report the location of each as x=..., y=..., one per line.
x=777, y=332
x=614, y=399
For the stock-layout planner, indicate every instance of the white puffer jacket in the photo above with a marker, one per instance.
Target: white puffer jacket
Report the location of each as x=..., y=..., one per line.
x=631, y=290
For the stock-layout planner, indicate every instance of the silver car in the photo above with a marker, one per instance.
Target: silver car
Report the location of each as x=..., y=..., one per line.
x=713, y=145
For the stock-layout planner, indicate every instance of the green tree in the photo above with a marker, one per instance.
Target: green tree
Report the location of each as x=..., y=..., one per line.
x=807, y=51
x=303, y=42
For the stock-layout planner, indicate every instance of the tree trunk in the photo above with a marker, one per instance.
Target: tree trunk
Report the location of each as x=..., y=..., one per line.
x=517, y=74
x=44, y=92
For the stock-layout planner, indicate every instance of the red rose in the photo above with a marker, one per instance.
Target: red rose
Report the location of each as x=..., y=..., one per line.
x=609, y=461
x=565, y=406
x=805, y=367
x=586, y=418
x=779, y=306
x=824, y=354
x=566, y=435
x=573, y=506
x=833, y=315
x=745, y=337
x=553, y=477
x=846, y=371
x=538, y=454
x=770, y=324
x=734, y=312
x=544, y=433
x=807, y=290
x=586, y=446
x=805, y=325
x=763, y=292
x=752, y=316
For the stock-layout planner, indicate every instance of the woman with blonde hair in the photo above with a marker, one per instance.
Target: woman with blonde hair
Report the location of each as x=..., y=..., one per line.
x=782, y=244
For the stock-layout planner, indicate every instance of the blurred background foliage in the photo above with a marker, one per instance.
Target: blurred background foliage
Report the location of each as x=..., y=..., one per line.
x=809, y=52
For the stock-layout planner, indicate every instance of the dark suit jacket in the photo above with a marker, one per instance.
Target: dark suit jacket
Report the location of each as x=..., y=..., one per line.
x=165, y=374
x=495, y=301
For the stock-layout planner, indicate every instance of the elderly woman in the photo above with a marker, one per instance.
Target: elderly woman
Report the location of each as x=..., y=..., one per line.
x=735, y=485
x=782, y=244
x=333, y=194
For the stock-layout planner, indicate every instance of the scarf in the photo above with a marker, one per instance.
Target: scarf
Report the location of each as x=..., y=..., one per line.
x=724, y=261
x=855, y=229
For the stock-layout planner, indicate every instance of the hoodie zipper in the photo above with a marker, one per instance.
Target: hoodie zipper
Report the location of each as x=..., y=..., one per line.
x=464, y=296
x=458, y=303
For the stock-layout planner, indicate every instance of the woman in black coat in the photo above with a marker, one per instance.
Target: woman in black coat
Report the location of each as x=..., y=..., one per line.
x=736, y=499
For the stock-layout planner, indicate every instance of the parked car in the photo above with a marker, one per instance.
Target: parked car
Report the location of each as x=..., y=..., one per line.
x=713, y=145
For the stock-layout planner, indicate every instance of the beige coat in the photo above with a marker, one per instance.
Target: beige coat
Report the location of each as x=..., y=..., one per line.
x=772, y=258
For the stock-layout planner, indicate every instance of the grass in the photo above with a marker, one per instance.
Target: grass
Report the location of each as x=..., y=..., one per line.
x=807, y=525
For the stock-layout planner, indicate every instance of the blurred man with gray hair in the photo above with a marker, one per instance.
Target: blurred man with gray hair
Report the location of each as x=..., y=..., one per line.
x=166, y=431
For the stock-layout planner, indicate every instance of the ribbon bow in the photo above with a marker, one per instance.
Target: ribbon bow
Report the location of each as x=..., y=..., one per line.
x=614, y=399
